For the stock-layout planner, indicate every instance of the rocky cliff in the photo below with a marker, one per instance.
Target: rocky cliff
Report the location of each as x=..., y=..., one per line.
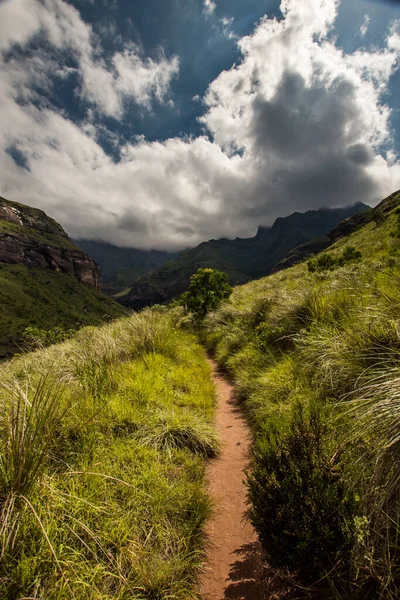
x=30, y=238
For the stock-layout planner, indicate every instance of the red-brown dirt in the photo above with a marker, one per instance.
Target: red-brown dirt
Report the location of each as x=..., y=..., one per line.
x=234, y=562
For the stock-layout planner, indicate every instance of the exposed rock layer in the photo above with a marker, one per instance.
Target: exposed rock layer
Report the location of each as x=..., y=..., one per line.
x=29, y=237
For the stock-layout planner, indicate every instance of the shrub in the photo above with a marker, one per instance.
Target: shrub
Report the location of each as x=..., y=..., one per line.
x=323, y=262
x=35, y=338
x=350, y=254
x=300, y=507
x=326, y=262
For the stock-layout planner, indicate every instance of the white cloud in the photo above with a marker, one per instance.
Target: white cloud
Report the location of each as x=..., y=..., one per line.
x=365, y=25
x=296, y=125
x=130, y=76
x=227, y=27
x=127, y=74
x=209, y=6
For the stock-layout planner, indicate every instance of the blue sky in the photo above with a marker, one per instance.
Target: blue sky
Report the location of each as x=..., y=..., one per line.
x=163, y=123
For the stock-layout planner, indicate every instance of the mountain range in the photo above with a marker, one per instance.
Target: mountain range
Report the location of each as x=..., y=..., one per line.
x=120, y=266
x=47, y=281
x=242, y=259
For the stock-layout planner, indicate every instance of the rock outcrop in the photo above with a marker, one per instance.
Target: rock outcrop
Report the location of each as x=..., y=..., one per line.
x=31, y=238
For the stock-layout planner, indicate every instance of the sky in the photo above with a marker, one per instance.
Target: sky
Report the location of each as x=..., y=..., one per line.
x=165, y=123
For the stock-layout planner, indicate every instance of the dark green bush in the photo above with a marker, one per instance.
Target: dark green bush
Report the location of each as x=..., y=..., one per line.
x=207, y=289
x=300, y=506
x=323, y=262
x=350, y=254
x=326, y=262
x=35, y=338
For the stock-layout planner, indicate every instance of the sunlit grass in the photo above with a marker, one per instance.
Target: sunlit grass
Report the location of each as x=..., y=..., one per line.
x=103, y=446
x=331, y=340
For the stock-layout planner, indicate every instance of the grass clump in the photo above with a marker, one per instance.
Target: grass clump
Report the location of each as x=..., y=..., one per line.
x=103, y=446
x=180, y=430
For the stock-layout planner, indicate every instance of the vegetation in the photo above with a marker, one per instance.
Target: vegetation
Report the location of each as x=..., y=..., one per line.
x=104, y=437
x=315, y=358
x=326, y=262
x=35, y=338
x=102, y=453
x=44, y=300
x=207, y=289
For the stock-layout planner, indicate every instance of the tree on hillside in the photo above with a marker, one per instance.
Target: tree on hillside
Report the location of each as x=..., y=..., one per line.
x=207, y=289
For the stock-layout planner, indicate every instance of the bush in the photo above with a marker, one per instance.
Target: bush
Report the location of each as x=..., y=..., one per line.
x=323, y=262
x=300, y=507
x=326, y=262
x=350, y=254
x=35, y=338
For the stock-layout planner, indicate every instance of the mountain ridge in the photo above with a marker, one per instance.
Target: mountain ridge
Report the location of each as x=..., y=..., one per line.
x=243, y=259
x=120, y=266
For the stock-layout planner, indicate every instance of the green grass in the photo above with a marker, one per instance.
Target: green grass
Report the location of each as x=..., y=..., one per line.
x=46, y=299
x=327, y=345
x=102, y=454
x=29, y=233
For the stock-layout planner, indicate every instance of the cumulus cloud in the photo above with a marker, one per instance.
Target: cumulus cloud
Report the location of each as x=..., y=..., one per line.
x=298, y=124
x=126, y=75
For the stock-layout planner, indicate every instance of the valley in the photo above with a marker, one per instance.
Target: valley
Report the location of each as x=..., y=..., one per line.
x=200, y=300
x=127, y=463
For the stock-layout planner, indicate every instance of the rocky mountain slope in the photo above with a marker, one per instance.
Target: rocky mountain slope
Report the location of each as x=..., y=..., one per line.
x=242, y=259
x=45, y=280
x=120, y=266
x=29, y=237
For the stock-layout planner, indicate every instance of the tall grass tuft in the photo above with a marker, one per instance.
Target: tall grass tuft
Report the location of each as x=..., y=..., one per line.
x=175, y=431
x=28, y=424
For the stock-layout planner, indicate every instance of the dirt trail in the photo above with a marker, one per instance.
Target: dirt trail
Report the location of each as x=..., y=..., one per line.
x=234, y=565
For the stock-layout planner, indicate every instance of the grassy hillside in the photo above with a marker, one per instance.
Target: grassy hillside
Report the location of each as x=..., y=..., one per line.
x=242, y=259
x=45, y=280
x=33, y=224
x=103, y=447
x=46, y=299
x=315, y=357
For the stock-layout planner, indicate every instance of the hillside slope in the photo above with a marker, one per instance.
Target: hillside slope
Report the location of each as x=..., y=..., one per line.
x=242, y=259
x=45, y=280
x=112, y=435
x=314, y=354
x=120, y=266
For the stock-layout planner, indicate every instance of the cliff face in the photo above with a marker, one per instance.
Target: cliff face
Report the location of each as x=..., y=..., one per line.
x=29, y=237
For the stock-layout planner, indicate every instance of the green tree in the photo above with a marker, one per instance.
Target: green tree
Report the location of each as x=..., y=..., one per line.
x=207, y=289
